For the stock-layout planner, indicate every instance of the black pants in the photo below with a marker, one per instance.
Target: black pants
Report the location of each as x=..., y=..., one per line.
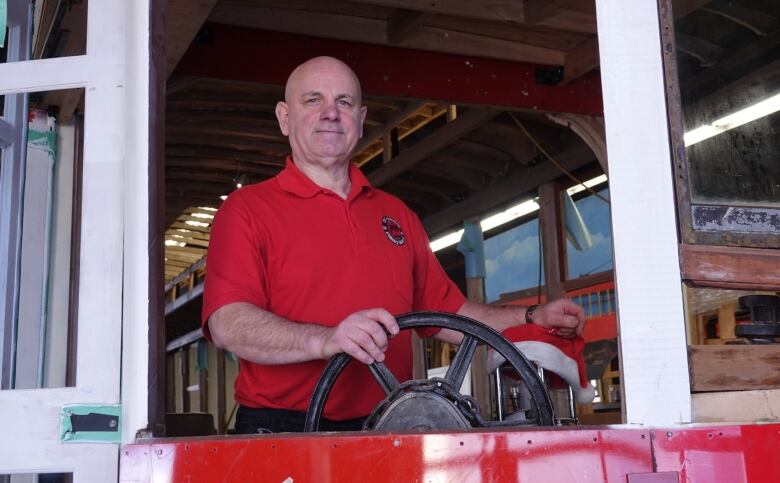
x=264, y=420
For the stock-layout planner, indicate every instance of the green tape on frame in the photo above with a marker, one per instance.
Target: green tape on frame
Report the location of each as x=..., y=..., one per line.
x=68, y=435
x=3, y=21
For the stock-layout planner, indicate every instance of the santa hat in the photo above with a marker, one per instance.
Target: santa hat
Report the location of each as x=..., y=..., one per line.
x=560, y=356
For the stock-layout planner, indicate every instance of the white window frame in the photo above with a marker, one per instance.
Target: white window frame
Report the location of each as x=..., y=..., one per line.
x=113, y=287
x=651, y=321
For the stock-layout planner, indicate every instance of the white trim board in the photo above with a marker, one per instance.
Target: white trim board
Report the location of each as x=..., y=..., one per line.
x=651, y=322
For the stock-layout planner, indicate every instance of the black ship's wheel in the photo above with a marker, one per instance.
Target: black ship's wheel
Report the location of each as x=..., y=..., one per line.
x=435, y=403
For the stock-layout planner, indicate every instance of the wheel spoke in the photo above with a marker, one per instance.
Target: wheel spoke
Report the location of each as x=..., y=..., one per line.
x=460, y=363
x=383, y=376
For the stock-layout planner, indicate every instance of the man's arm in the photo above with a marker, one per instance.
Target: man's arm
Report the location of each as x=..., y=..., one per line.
x=562, y=316
x=259, y=336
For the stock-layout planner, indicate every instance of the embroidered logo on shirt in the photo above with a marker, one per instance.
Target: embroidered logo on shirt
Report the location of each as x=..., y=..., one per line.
x=393, y=231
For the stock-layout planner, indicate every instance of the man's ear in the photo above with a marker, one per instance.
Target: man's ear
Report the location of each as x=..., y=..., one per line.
x=282, y=112
x=363, y=112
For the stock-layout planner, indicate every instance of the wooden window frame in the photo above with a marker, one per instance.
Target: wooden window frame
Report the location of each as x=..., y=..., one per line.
x=721, y=258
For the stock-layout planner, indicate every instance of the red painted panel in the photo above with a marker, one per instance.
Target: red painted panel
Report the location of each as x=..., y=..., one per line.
x=583, y=455
x=727, y=454
x=244, y=54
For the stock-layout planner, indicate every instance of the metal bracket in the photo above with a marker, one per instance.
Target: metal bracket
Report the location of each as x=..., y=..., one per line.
x=91, y=424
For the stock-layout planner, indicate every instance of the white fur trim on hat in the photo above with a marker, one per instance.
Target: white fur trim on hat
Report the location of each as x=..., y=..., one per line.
x=551, y=359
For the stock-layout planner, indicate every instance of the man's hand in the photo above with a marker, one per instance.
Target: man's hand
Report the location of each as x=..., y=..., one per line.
x=563, y=317
x=363, y=335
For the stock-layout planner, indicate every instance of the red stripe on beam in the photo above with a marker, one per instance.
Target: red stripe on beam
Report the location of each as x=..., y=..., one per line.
x=244, y=54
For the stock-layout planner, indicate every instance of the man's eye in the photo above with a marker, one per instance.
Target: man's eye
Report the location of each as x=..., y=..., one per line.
x=312, y=100
x=345, y=103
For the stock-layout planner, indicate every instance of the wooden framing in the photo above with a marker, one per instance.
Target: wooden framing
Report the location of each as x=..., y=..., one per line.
x=734, y=367
x=652, y=334
x=113, y=298
x=730, y=267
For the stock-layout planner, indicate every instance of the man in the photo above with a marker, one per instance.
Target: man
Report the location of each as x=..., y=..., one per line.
x=315, y=262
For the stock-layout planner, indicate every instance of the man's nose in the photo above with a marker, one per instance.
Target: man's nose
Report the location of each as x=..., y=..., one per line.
x=330, y=111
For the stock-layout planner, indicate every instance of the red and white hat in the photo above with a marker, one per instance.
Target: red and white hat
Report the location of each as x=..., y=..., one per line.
x=560, y=356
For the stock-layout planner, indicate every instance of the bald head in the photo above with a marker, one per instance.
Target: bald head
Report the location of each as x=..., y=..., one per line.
x=322, y=115
x=310, y=69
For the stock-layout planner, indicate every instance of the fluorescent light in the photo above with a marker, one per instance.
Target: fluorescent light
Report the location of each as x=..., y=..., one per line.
x=174, y=243
x=223, y=197
x=517, y=211
x=203, y=215
x=749, y=114
x=207, y=208
x=446, y=241
x=590, y=184
x=512, y=213
x=196, y=223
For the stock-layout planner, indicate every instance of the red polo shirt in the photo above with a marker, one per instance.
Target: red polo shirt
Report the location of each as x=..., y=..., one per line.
x=300, y=251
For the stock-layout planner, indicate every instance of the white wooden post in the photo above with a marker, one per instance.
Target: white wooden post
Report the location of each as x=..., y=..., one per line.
x=654, y=360
x=113, y=290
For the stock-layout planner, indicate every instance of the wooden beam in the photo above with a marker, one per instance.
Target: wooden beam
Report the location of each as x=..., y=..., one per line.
x=590, y=129
x=487, y=9
x=510, y=188
x=402, y=23
x=374, y=31
x=435, y=142
x=734, y=367
x=390, y=71
x=705, y=52
x=730, y=267
x=736, y=406
x=535, y=11
x=727, y=321
x=759, y=22
x=184, y=358
x=682, y=8
x=183, y=20
x=378, y=132
x=711, y=79
x=552, y=238
x=197, y=291
x=525, y=34
x=582, y=59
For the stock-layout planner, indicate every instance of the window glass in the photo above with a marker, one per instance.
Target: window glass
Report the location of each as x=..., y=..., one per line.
x=593, y=254
x=39, y=210
x=728, y=67
x=513, y=260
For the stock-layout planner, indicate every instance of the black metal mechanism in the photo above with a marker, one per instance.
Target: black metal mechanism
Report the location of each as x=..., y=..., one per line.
x=435, y=403
x=764, y=325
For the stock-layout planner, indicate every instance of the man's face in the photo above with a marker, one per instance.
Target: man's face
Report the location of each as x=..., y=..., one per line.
x=322, y=116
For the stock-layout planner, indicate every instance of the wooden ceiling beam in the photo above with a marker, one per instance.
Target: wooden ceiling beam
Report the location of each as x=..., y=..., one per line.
x=390, y=71
x=498, y=10
x=682, y=8
x=535, y=11
x=371, y=31
x=443, y=137
x=185, y=154
x=402, y=23
x=758, y=22
x=508, y=189
x=581, y=60
x=531, y=34
x=705, y=52
x=183, y=20
x=710, y=79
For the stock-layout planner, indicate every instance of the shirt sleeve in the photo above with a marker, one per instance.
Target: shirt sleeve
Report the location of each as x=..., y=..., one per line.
x=236, y=269
x=433, y=289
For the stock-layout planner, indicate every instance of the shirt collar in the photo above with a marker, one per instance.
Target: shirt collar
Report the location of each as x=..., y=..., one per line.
x=294, y=181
